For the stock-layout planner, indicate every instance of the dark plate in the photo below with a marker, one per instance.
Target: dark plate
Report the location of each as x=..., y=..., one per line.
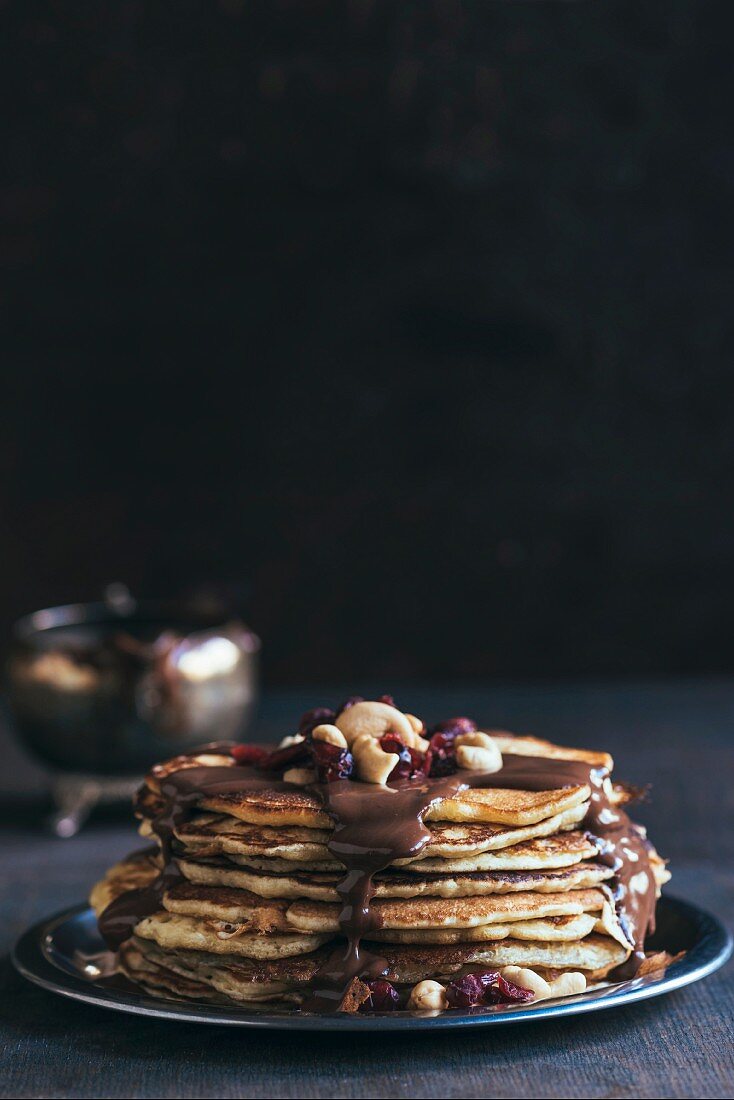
x=52, y=954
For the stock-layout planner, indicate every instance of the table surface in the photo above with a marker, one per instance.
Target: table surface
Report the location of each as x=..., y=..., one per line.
x=676, y=735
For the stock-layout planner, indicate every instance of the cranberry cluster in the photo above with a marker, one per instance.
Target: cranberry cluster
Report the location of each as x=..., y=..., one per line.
x=332, y=762
x=479, y=987
x=485, y=987
x=329, y=761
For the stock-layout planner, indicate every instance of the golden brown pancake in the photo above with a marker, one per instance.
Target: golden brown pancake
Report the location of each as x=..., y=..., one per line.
x=425, y=912
x=563, y=849
x=139, y=869
x=160, y=980
x=546, y=929
x=171, y=931
x=394, y=884
x=407, y=964
x=248, y=911
x=214, y=834
x=219, y=907
x=515, y=744
x=296, y=807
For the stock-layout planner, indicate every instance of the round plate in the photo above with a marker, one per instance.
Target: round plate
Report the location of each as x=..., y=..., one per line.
x=53, y=953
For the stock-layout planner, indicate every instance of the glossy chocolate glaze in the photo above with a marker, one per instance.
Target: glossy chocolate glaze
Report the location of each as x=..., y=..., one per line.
x=376, y=825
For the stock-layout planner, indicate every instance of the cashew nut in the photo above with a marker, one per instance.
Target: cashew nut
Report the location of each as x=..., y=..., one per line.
x=563, y=986
x=331, y=734
x=374, y=719
x=428, y=995
x=527, y=979
x=416, y=723
x=478, y=752
x=415, y=741
x=373, y=764
x=300, y=776
x=568, y=984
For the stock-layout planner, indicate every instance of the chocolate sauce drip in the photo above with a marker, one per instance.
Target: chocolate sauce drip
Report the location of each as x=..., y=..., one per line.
x=374, y=826
x=179, y=794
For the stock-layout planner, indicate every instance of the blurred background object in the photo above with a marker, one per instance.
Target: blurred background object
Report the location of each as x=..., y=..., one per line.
x=408, y=323
x=100, y=692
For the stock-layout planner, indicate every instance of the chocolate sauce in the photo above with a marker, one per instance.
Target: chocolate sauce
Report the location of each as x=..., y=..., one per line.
x=179, y=793
x=376, y=825
x=373, y=826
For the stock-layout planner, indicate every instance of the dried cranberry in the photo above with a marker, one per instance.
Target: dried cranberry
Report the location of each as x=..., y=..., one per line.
x=290, y=757
x=492, y=996
x=387, y=699
x=350, y=702
x=512, y=992
x=465, y=992
x=471, y=989
x=411, y=762
x=332, y=762
x=249, y=754
x=452, y=727
x=383, y=997
x=318, y=716
x=441, y=756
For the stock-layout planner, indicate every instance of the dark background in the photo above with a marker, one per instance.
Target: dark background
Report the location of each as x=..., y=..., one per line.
x=407, y=324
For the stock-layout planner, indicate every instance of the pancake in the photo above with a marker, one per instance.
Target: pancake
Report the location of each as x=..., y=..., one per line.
x=516, y=744
x=317, y=916
x=228, y=913
x=284, y=804
x=509, y=807
x=212, y=834
x=548, y=930
x=158, y=979
x=563, y=849
x=407, y=964
x=296, y=806
x=393, y=884
x=174, y=932
x=273, y=807
x=225, y=905
x=138, y=870
x=222, y=907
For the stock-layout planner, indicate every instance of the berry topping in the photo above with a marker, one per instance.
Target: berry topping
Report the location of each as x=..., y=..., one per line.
x=441, y=756
x=291, y=757
x=249, y=754
x=470, y=990
x=383, y=997
x=411, y=764
x=452, y=727
x=512, y=992
x=332, y=762
x=485, y=987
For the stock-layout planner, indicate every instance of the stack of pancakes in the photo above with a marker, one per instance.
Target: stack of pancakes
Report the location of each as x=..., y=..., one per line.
x=508, y=878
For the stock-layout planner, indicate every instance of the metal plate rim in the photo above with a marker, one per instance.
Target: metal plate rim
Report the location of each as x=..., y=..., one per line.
x=711, y=950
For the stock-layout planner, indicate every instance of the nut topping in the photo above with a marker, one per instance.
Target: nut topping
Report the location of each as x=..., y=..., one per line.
x=331, y=734
x=374, y=719
x=478, y=752
x=428, y=996
x=373, y=764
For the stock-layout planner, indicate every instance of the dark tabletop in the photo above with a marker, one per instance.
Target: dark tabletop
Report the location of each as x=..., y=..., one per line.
x=679, y=736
